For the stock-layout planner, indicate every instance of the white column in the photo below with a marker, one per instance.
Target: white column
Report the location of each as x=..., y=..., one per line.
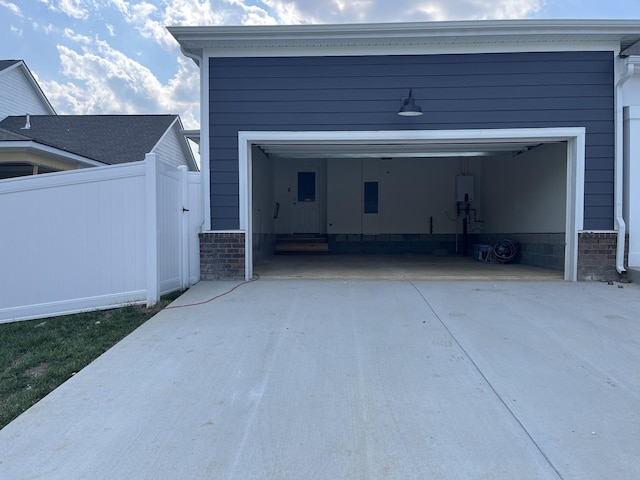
x=632, y=181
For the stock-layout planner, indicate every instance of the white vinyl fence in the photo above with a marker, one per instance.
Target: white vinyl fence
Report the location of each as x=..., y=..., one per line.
x=97, y=238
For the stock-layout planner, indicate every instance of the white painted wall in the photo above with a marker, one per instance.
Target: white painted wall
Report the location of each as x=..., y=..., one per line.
x=17, y=95
x=344, y=195
x=415, y=189
x=285, y=190
x=527, y=193
x=631, y=91
x=411, y=191
x=79, y=240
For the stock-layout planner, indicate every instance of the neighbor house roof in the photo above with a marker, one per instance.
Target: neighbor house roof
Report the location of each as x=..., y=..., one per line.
x=7, y=63
x=109, y=139
x=391, y=38
x=7, y=136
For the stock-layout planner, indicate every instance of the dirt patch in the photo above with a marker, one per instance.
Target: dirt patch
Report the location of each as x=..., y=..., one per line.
x=37, y=371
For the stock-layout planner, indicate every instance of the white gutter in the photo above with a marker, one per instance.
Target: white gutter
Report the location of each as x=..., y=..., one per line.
x=625, y=73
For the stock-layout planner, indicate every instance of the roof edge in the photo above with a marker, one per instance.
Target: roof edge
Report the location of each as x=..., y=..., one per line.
x=194, y=40
x=412, y=28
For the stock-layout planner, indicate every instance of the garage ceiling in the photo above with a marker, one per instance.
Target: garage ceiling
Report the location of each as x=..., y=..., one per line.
x=393, y=150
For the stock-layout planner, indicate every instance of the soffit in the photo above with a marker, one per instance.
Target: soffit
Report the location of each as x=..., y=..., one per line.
x=228, y=40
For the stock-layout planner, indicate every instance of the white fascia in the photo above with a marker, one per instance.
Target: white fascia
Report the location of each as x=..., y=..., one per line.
x=574, y=136
x=351, y=51
x=405, y=38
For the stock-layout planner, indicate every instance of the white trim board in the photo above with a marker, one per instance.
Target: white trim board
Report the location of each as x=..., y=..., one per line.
x=403, y=38
x=574, y=136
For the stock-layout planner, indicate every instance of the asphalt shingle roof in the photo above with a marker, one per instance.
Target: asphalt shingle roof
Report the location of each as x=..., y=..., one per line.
x=110, y=139
x=7, y=63
x=7, y=136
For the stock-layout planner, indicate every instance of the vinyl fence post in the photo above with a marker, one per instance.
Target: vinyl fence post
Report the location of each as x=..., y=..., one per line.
x=184, y=226
x=151, y=179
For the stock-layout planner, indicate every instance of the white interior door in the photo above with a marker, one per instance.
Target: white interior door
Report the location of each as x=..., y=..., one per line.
x=305, y=208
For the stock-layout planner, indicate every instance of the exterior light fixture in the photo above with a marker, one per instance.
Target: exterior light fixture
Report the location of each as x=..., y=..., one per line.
x=409, y=107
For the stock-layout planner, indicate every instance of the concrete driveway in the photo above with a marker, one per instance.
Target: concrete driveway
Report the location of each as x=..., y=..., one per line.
x=337, y=379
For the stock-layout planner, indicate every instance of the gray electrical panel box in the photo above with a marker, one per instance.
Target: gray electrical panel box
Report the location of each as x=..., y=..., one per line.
x=464, y=188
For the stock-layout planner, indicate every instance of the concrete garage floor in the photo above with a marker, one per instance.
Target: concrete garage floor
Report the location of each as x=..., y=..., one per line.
x=354, y=379
x=396, y=267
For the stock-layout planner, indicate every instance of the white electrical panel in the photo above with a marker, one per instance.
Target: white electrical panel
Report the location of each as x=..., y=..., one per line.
x=464, y=188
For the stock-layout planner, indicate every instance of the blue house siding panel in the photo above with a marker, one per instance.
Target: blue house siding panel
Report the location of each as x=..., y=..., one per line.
x=509, y=90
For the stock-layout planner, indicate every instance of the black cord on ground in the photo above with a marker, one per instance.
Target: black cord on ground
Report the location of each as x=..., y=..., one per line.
x=255, y=277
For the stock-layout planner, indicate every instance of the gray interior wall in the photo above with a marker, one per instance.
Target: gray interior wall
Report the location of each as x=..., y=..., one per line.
x=526, y=193
x=262, y=205
x=509, y=90
x=414, y=195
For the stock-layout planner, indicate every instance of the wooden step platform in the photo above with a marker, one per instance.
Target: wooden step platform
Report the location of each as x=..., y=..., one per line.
x=297, y=245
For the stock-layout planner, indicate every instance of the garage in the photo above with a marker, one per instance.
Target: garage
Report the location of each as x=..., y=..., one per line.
x=437, y=194
x=518, y=133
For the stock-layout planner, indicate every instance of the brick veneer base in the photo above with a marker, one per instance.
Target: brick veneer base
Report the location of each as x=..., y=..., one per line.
x=597, y=256
x=221, y=256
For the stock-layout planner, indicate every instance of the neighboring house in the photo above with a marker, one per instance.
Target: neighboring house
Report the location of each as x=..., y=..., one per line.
x=19, y=91
x=123, y=231
x=528, y=130
x=33, y=139
x=44, y=143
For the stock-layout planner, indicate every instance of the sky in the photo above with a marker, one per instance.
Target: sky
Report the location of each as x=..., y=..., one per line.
x=117, y=57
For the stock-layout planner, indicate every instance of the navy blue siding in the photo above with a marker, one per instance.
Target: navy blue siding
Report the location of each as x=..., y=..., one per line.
x=509, y=90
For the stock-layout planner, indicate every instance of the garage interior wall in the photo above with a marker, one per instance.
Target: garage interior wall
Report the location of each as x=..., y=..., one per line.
x=522, y=197
x=525, y=199
x=263, y=205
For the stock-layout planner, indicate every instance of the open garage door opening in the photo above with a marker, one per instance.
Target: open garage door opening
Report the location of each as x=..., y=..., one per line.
x=431, y=200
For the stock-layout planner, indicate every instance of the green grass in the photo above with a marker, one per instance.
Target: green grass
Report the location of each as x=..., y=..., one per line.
x=36, y=356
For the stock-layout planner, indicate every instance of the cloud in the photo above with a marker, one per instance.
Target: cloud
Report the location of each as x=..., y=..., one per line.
x=99, y=78
x=151, y=20
x=343, y=11
x=15, y=9
x=16, y=30
x=78, y=9
x=103, y=80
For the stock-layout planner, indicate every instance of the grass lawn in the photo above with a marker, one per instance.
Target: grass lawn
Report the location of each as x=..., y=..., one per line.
x=36, y=356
